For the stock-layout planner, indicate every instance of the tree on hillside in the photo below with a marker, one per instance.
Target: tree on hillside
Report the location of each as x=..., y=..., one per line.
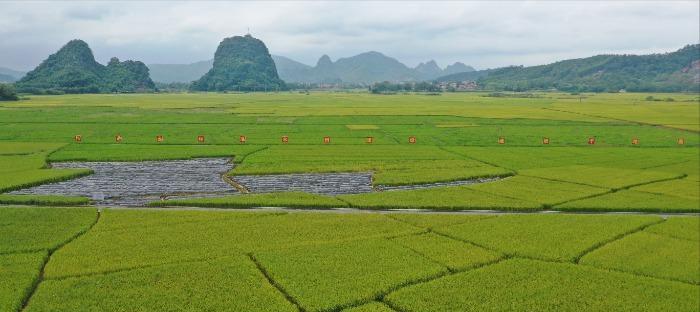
x=7, y=92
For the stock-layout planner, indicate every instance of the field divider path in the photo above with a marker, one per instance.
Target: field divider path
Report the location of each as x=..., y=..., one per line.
x=351, y=210
x=382, y=296
x=388, y=135
x=680, y=177
x=463, y=156
x=641, y=123
x=345, y=201
x=40, y=278
x=613, y=190
x=603, y=243
x=667, y=279
x=47, y=164
x=429, y=229
x=239, y=187
x=506, y=255
x=420, y=254
x=666, y=164
x=238, y=161
x=562, y=181
x=274, y=283
x=132, y=268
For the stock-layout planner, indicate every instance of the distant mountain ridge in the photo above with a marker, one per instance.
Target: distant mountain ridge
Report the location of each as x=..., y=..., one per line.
x=667, y=72
x=168, y=73
x=364, y=68
x=10, y=75
x=7, y=78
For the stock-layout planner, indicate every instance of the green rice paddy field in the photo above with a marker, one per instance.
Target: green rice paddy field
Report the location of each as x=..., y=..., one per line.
x=166, y=259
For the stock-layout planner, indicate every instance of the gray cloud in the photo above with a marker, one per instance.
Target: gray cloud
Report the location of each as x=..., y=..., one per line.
x=482, y=34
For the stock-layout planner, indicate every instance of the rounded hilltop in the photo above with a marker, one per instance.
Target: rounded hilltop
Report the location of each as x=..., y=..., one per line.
x=241, y=63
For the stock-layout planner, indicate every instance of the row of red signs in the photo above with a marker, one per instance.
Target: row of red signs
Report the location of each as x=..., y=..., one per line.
x=242, y=139
x=591, y=141
x=369, y=140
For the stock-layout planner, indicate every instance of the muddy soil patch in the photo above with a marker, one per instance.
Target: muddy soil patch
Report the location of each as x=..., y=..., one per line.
x=136, y=183
x=315, y=183
x=332, y=183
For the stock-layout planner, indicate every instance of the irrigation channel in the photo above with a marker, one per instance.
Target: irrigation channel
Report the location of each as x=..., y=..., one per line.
x=129, y=184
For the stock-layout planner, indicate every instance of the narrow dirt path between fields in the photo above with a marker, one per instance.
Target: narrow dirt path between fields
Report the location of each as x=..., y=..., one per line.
x=642, y=123
x=47, y=259
x=343, y=210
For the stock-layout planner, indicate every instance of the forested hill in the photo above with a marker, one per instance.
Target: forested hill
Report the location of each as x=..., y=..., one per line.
x=73, y=69
x=668, y=72
x=241, y=63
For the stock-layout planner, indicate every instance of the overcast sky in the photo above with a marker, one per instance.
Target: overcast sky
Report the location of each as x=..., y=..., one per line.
x=481, y=34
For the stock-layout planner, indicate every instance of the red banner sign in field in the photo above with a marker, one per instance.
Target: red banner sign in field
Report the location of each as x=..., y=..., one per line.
x=681, y=141
x=591, y=140
x=635, y=141
x=242, y=139
x=78, y=138
x=502, y=140
x=326, y=140
x=545, y=140
x=159, y=138
x=285, y=139
x=200, y=138
x=118, y=138
x=412, y=140
x=369, y=140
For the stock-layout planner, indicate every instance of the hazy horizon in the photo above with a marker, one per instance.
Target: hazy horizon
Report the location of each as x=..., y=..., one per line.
x=479, y=34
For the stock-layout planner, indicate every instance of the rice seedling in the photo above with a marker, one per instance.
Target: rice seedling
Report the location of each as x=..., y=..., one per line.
x=651, y=255
x=527, y=285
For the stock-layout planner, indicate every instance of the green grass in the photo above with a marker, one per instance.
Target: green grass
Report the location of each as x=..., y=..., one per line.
x=370, y=307
x=545, y=192
x=651, y=255
x=20, y=171
x=687, y=188
x=225, y=284
x=453, y=254
x=291, y=199
x=675, y=160
x=27, y=148
x=144, y=260
x=12, y=181
x=547, y=237
x=35, y=229
x=18, y=273
x=392, y=165
x=138, y=152
x=129, y=239
x=683, y=228
x=527, y=285
x=430, y=221
x=26, y=237
x=43, y=200
x=629, y=200
x=441, y=198
x=325, y=277
x=613, y=178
